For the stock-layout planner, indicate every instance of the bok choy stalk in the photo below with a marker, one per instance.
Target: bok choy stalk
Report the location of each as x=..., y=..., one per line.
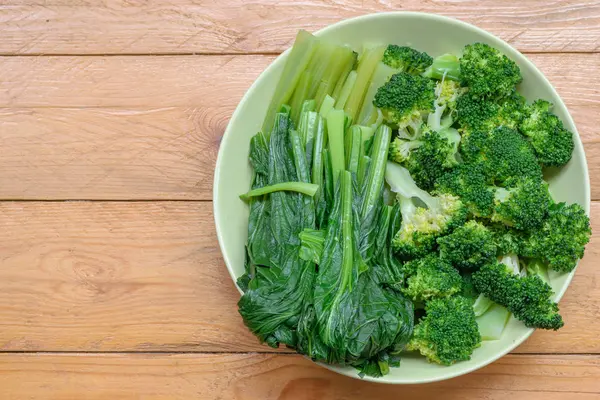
x=358, y=321
x=312, y=70
x=277, y=282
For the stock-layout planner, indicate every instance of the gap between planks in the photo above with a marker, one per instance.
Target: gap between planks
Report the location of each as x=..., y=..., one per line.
x=212, y=54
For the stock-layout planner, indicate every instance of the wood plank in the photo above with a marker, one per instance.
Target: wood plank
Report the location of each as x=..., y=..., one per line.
x=148, y=276
x=109, y=153
x=203, y=81
x=260, y=376
x=120, y=135
x=115, y=276
x=236, y=26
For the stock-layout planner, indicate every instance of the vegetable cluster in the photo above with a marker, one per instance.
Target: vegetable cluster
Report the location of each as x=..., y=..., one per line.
x=398, y=203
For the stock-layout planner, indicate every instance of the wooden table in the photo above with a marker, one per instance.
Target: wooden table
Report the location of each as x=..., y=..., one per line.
x=112, y=285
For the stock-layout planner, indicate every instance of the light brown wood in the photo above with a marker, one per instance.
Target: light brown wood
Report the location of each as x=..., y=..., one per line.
x=236, y=26
x=148, y=276
x=117, y=134
x=121, y=108
x=282, y=377
x=109, y=153
x=115, y=276
x=204, y=81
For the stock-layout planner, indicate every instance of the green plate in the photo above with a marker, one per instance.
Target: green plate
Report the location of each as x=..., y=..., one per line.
x=435, y=35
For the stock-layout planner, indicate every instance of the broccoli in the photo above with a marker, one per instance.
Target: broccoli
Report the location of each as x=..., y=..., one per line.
x=421, y=225
x=468, y=289
x=428, y=157
x=469, y=246
x=448, y=332
x=553, y=144
x=537, y=267
x=527, y=297
x=406, y=59
x=431, y=277
x=405, y=99
x=446, y=66
x=402, y=148
x=447, y=92
x=487, y=72
x=561, y=240
x=502, y=152
x=523, y=204
x=468, y=182
x=477, y=114
x=507, y=239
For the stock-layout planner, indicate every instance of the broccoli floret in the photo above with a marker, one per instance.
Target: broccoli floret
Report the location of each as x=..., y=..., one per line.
x=477, y=114
x=503, y=153
x=446, y=66
x=469, y=246
x=523, y=203
x=406, y=59
x=527, y=297
x=431, y=277
x=468, y=182
x=436, y=154
x=405, y=99
x=447, y=92
x=487, y=72
x=553, y=144
x=401, y=149
x=421, y=225
x=561, y=240
x=507, y=239
x=448, y=332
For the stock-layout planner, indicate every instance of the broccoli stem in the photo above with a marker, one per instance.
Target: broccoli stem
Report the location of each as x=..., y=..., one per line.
x=346, y=90
x=376, y=174
x=301, y=187
x=354, y=143
x=407, y=206
x=402, y=182
x=369, y=61
x=481, y=305
x=537, y=267
x=445, y=66
x=296, y=62
x=492, y=323
x=335, y=135
x=511, y=261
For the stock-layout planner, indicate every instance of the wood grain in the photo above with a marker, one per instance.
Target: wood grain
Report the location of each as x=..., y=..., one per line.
x=282, y=377
x=236, y=26
x=148, y=276
x=101, y=128
x=109, y=153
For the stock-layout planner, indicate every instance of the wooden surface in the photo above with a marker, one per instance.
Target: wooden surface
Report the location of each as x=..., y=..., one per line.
x=122, y=293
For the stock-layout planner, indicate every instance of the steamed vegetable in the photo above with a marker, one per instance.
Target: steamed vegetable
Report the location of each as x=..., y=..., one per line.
x=398, y=203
